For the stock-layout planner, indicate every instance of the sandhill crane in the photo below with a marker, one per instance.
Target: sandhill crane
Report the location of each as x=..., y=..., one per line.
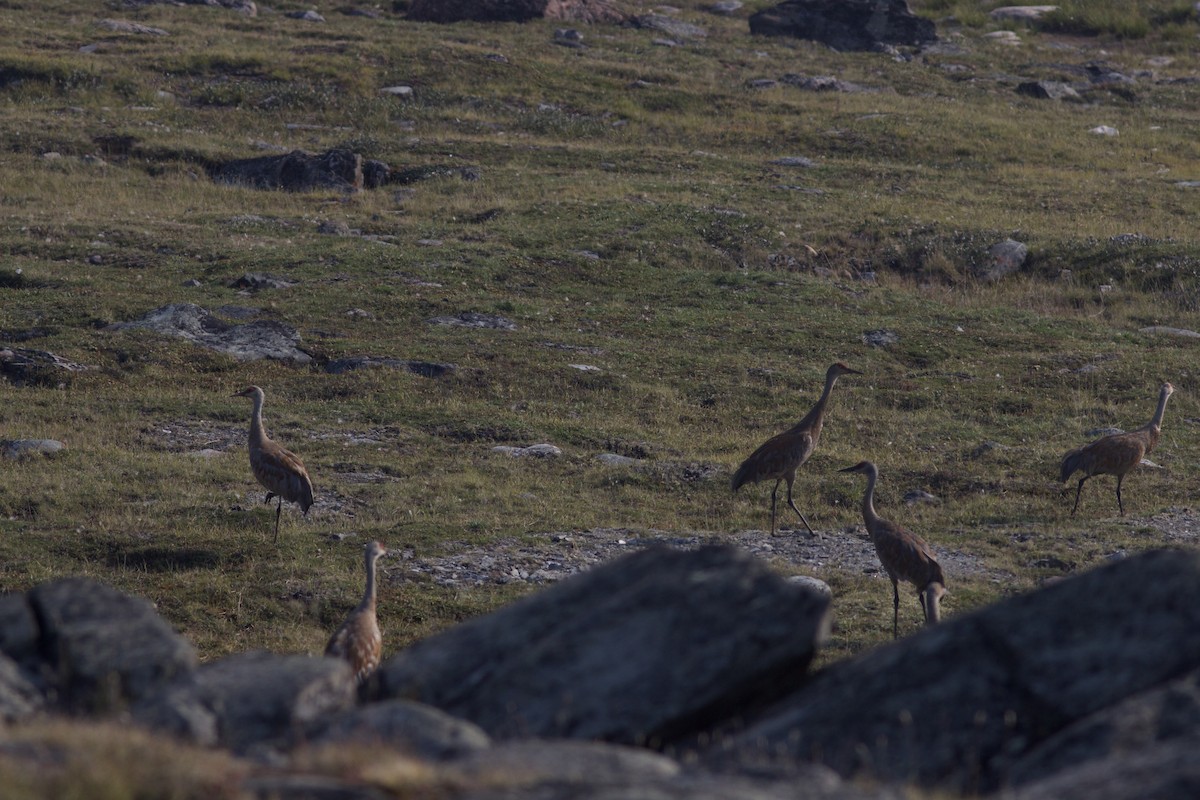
x=1116, y=454
x=358, y=640
x=279, y=471
x=780, y=456
x=903, y=554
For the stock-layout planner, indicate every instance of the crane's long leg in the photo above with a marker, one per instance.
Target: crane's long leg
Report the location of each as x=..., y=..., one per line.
x=924, y=610
x=895, y=610
x=793, y=505
x=773, y=491
x=278, y=511
x=270, y=496
x=1120, y=505
x=1078, y=489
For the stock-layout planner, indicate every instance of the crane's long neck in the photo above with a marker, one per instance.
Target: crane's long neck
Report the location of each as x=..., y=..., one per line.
x=368, y=600
x=868, y=505
x=257, y=434
x=813, y=419
x=1156, y=420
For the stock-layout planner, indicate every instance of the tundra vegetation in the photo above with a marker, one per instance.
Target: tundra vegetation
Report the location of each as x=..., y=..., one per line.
x=635, y=212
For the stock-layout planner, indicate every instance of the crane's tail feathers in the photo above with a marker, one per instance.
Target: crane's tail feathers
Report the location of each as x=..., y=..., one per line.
x=931, y=601
x=1070, y=463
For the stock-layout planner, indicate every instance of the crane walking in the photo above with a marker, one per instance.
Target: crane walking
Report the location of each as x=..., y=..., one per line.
x=780, y=456
x=903, y=554
x=278, y=470
x=1116, y=454
x=358, y=640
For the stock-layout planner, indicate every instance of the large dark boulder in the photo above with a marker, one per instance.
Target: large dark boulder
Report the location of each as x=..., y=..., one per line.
x=646, y=649
x=1132, y=729
x=1169, y=771
x=846, y=24
x=296, y=171
x=956, y=705
x=251, y=700
x=100, y=650
x=514, y=10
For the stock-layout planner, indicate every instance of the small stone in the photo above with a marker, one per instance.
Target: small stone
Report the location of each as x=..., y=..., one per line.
x=1163, y=330
x=914, y=496
x=880, y=338
x=616, y=460
x=334, y=227
x=816, y=584
x=794, y=161
x=397, y=91
x=1104, y=130
x=23, y=448
x=532, y=451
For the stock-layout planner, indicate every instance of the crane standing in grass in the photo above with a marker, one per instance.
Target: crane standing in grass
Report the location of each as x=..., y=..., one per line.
x=358, y=640
x=1116, y=454
x=780, y=456
x=903, y=554
x=278, y=470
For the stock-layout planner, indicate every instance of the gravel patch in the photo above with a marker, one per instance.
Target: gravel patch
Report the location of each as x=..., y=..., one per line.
x=553, y=556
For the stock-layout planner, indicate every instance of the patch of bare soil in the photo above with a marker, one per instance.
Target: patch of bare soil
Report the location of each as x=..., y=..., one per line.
x=1178, y=526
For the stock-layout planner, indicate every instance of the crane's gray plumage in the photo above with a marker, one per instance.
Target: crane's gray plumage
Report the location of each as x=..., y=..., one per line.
x=780, y=456
x=278, y=470
x=903, y=554
x=358, y=640
x=1116, y=454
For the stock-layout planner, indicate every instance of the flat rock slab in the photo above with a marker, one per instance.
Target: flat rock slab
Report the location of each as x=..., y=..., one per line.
x=514, y=10
x=24, y=448
x=1164, y=330
x=623, y=653
x=953, y=706
x=472, y=319
x=22, y=366
x=426, y=369
x=248, y=342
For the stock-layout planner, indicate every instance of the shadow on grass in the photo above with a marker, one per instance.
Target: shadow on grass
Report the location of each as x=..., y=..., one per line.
x=165, y=559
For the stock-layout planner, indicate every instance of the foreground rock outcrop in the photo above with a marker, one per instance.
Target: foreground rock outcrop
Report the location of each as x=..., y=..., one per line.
x=960, y=706
x=1089, y=688
x=626, y=653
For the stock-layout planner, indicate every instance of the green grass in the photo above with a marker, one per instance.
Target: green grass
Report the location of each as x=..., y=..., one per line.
x=721, y=293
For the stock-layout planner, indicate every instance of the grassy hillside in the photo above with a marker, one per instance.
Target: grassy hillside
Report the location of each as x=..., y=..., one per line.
x=629, y=216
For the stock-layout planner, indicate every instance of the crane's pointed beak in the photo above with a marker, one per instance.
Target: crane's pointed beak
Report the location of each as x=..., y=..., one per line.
x=849, y=469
